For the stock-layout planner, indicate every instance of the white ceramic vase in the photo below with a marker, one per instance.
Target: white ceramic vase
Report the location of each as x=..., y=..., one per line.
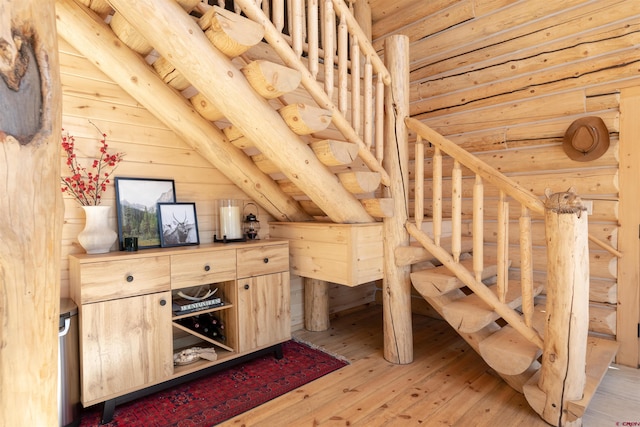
x=97, y=237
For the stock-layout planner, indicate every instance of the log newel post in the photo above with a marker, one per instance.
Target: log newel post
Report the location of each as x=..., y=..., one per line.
x=562, y=376
x=32, y=213
x=316, y=304
x=396, y=296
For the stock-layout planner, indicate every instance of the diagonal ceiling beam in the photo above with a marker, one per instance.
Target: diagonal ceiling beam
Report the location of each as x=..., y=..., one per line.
x=95, y=40
x=179, y=39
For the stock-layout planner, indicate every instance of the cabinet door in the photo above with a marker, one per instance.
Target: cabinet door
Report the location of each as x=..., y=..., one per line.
x=125, y=345
x=264, y=311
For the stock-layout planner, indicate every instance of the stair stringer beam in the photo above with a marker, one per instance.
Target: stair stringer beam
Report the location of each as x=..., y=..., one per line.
x=86, y=32
x=179, y=39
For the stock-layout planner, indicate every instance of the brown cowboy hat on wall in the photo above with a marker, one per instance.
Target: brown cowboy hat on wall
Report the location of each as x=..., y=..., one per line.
x=586, y=139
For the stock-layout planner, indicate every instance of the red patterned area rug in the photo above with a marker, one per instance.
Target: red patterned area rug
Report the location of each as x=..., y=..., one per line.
x=222, y=395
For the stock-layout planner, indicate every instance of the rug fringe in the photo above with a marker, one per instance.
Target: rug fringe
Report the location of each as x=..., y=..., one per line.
x=322, y=349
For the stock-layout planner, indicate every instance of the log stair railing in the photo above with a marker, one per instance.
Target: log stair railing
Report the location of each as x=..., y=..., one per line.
x=338, y=118
x=497, y=313
x=343, y=74
x=350, y=157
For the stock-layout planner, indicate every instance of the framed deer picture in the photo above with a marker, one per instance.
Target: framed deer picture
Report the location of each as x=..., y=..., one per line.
x=178, y=224
x=137, y=208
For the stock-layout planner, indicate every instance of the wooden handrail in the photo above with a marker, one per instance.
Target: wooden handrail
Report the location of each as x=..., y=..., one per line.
x=489, y=174
x=510, y=187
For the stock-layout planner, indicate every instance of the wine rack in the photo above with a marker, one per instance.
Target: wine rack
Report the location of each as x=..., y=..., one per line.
x=195, y=328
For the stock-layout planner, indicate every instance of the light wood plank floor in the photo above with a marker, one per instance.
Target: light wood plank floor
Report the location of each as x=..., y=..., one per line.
x=448, y=384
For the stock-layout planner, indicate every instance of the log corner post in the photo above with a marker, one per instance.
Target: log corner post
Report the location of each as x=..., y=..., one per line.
x=562, y=375
x=31, y=211
x=396, y=286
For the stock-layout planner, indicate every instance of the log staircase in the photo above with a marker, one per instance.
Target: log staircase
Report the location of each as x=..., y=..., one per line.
x=498, y=309
x=308, y=133
x=305, y=142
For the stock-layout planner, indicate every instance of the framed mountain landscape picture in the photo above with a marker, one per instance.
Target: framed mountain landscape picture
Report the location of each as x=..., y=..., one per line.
x=137, y=202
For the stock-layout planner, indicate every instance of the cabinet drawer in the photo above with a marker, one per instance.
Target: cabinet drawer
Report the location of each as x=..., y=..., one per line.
x=108, y=280
x=202, y=268
x=263, y=260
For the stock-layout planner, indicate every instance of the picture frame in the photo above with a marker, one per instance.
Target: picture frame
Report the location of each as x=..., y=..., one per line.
x=137, y=208
x=179, y=224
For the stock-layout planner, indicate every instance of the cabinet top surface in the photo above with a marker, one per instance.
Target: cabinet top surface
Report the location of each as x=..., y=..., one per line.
x=153, y=252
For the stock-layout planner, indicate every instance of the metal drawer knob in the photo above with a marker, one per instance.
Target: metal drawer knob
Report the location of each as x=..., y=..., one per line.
x=129, y=278
x=163, y=302
x=266, y=260
x=246, y=286
x=207, y=267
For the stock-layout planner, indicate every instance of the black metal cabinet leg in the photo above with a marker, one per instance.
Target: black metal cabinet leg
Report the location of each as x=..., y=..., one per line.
x=108, y=408
x=278, y=351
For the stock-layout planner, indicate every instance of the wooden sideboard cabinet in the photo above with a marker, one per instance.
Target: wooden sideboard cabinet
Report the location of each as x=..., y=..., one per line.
x=129, y=330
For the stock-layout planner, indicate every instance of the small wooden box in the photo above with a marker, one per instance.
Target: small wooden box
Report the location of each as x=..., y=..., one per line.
x=347, y=254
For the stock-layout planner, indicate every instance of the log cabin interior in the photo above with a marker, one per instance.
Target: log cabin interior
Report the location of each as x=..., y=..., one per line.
x=399, y=151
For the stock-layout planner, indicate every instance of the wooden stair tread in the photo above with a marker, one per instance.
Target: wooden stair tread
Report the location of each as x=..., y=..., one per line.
x=101, y=7
x=129, y=35
x=508, y=352
x=305, y=119
x=229, y=32
x=600, y=355
x=271, y=80
x=335, y=153
x=237, y=138
x=205, y=107
x=360, y=182
x=377, y=208
x=415, y=253
x=169, y=74
x=471, y=313
x=436, y=281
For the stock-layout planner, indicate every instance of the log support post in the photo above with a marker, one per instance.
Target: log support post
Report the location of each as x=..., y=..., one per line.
x=562, y=376
x=396, y=297
x=316, y=305
x=31, y=209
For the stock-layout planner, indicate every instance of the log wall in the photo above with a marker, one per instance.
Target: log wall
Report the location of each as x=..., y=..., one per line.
x=151, y=151
x=505, y=79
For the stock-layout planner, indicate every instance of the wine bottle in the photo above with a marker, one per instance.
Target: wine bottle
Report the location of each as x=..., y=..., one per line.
x=204, y=325
x=218, y=328
x=187, y=322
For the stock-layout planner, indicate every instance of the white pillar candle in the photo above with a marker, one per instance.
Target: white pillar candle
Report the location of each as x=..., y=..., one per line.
x=230, y=222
